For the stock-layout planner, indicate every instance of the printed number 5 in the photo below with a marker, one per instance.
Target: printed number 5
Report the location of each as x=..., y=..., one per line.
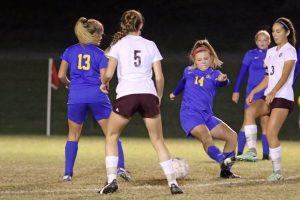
x=137, y=58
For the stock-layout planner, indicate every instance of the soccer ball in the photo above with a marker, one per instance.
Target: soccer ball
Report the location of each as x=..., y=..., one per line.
x=181, y=167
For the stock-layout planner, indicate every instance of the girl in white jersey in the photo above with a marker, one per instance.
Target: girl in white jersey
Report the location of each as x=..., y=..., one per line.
x=135, y=58
x=278, y=98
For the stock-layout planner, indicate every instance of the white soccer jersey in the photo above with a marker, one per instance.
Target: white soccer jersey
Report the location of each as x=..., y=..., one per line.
x=275, y=61
x=135, y=56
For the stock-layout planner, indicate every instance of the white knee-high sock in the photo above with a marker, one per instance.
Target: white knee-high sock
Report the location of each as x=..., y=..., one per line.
x=111, y=167
x=275, y=154
x=251, y=136
x=169, y=172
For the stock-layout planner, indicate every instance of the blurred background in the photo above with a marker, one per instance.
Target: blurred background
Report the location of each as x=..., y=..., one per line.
x=32, y=32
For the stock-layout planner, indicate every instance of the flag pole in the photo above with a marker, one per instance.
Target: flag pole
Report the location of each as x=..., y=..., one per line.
x=50, y=63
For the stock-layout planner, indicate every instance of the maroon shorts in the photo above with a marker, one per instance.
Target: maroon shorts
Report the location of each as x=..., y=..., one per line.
x=281, y=103
x=146, y=104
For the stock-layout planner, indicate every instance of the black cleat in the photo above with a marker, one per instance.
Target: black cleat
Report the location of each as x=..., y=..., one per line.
x=109, y=187
x=227, y=163
x=266, y=157
x=175, y=189
x=228, y=174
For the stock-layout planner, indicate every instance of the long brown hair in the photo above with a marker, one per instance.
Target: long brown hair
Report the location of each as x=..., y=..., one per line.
x=288, y=26
x=130, y=22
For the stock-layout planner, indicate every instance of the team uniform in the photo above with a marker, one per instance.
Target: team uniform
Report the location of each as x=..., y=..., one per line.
x=85, y=63
x=197, y=102
x=253, y=63
x=274, y=62
x=136, y=91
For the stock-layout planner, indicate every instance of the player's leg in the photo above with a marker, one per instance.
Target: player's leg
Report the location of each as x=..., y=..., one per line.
x=101, y=112
x=220, y=130
x=255, y=110
x=76, y=116
x=116, y=124
x=264, y=140
x=276, y=120
x=154, y=127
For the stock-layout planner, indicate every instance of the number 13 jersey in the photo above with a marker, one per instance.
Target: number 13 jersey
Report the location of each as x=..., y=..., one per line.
x=135, y=56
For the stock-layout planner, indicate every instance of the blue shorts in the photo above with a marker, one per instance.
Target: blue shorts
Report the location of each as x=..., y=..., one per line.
x=189, y=119
x=77, y=112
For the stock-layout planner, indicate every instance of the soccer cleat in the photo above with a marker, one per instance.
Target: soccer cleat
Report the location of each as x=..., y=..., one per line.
x=227, y=163
x=124, y=174
x=275, y=177
x=228, y=174
x=248, y=156
x=175, y=189
x=266, y=157
x=67, y=178
x=109, y=187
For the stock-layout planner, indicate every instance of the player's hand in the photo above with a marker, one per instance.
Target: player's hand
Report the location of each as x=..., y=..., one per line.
x=222, y=77
x=235, y=97
x=104, y=88
x=270, y=97
x=172, y=96
x=249, y=98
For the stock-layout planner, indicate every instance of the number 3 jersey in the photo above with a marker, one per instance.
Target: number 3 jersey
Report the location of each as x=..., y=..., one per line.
x=199, y=88
x=85, y=62
x=135, y=56
x=274, y=62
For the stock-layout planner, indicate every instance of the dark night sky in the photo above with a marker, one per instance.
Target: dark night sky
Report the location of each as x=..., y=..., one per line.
x=173, y=24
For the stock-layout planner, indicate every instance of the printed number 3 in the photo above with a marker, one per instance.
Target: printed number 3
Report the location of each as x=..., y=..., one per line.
x=87, y=61
x=137, y=58
x=272, y=72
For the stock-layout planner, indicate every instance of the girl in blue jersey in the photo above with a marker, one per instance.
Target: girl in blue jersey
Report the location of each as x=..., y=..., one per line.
x=87, y=63
x=199, y=84
x=253, y=65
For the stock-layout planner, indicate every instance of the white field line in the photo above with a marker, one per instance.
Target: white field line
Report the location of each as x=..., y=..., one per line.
x=235, y=182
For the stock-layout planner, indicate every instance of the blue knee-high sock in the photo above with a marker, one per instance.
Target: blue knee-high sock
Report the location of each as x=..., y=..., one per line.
x=215, y=153
x=241, y=142
x=265, y=144
x=121, y=154
x=70, y=156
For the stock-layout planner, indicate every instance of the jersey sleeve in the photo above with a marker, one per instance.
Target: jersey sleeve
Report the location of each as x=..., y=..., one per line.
x=103, y=62
x=243, y=71
x=113, y=52
x=65, y=56
x=156, y=54
x=180, y=86
x=290, y=54
x=219, y=83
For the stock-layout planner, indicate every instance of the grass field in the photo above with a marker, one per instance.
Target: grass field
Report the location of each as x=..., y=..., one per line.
x=31, y=167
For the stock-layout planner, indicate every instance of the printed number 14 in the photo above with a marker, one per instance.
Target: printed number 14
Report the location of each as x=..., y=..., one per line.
x=200, y=81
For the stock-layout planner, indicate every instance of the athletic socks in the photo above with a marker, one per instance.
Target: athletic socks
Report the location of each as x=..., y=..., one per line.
x=169, y=172
x=215, y=154
x=121, y=155
x=265, y=145
x=251, y=137
x=70, y=156
x=241, y=142
x=275, y=154
x=111, y=163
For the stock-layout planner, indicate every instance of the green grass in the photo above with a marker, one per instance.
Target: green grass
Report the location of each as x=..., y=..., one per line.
x=32, y=168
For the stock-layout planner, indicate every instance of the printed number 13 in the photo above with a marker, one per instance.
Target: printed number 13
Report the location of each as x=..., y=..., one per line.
x=200, y=81
x=87, y=61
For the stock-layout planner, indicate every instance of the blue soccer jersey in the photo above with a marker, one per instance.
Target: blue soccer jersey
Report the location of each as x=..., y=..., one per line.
x=85, y=62
x=253, y=63
x=199, y=88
